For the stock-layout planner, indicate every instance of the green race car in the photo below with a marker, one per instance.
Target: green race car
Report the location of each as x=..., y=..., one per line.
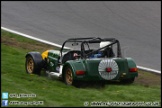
x=88, y=59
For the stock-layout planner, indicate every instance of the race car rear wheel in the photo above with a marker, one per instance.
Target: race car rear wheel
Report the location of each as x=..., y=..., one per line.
x=32, y=65
x=68, y=76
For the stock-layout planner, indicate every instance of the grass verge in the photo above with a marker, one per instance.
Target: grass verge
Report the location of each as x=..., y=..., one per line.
x=146, y=88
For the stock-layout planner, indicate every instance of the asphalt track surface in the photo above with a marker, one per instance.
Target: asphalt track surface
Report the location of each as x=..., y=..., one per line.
x=136, y=24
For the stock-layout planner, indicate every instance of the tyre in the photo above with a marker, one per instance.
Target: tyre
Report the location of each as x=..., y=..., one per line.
x=68, y=76
x=33, y=65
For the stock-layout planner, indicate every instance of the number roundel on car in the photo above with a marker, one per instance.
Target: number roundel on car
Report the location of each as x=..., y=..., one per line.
x=108, y=69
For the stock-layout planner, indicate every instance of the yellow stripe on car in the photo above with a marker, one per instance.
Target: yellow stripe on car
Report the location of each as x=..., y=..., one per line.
x=45, y=54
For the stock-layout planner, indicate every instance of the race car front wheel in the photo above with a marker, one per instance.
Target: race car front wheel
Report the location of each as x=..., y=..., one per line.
x=29, y=65
x=32, y=65
x=68, y=76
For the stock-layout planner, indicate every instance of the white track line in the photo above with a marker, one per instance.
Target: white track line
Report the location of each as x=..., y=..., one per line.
x=32, y=37
x=57, y=45
x=148, y=69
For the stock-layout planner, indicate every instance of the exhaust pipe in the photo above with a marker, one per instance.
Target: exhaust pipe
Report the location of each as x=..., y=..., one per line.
x=53, y=74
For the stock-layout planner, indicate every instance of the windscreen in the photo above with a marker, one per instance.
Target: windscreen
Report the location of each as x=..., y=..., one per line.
x=74, y=45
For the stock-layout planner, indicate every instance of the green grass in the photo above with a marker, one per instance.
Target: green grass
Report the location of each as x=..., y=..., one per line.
x=14, y=79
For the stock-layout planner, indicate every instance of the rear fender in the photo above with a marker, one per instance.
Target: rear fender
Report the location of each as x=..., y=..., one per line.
x=74, y=65
x=132, y=64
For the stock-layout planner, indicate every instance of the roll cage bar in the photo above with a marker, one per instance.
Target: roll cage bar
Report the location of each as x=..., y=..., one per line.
x=93, y=40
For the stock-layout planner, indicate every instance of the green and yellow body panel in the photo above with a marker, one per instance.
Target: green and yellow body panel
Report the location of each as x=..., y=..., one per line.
x=93, y=67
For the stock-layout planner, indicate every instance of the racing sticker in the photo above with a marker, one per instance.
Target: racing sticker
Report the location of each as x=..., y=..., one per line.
x=108, y=69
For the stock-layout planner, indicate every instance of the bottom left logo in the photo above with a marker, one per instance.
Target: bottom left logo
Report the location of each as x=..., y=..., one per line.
x=4, y=102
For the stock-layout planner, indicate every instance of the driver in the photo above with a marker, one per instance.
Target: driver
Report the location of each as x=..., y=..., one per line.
x=75, y=55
